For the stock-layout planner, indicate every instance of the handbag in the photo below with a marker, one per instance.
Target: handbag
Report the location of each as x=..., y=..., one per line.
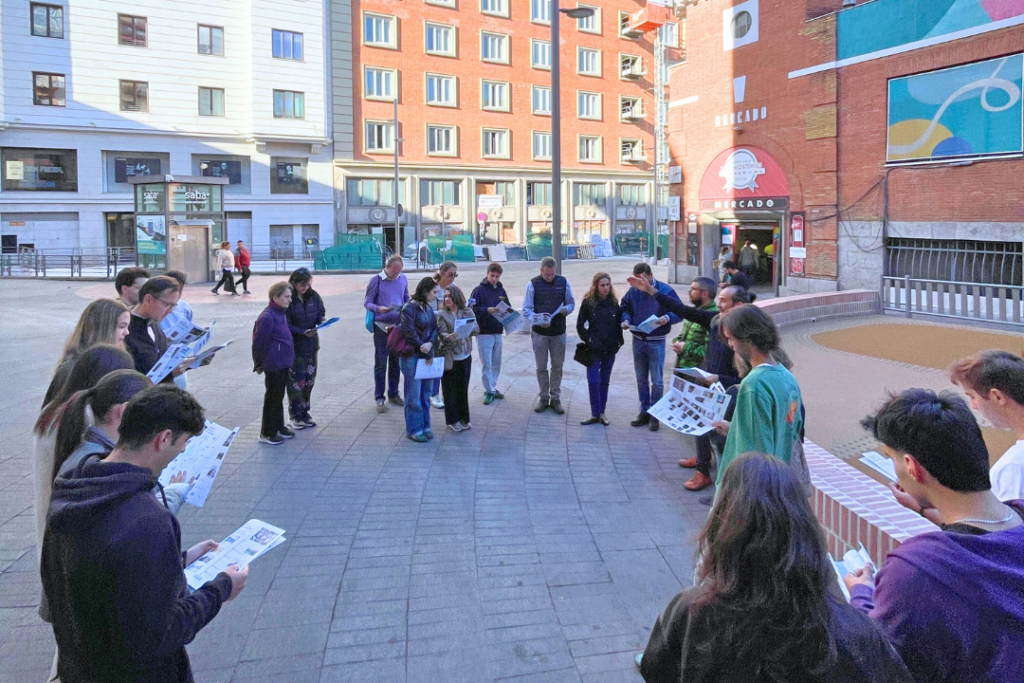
x=584, y=355
x=397, y=344
x=368, y=321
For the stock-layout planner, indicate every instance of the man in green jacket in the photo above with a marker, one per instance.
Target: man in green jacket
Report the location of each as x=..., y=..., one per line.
x=692, y=342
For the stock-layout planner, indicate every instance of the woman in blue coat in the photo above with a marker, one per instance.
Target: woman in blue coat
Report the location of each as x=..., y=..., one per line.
x=305, y=312
x=418, y=328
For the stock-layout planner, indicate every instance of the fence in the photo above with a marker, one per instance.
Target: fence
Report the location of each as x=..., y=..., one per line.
x=102, y=262
x=963, y=300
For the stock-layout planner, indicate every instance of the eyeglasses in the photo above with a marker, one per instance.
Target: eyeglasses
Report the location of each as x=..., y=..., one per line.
x=167, y=305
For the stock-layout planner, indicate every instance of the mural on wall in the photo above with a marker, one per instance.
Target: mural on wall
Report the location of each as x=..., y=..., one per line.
x=887, y=24
x=964, y=111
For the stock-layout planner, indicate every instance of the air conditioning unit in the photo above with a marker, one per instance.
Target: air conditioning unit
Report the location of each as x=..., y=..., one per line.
x=632, y=111
x=633, y=68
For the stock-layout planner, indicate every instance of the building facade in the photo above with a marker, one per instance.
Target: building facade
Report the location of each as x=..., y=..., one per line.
x=851, y=148
x=93, y=93
x=472, y=80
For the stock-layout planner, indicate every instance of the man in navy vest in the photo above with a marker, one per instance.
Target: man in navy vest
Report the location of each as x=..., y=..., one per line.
x=548, y=302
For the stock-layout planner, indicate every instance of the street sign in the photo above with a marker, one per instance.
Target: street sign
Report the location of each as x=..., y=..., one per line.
x=482, y=216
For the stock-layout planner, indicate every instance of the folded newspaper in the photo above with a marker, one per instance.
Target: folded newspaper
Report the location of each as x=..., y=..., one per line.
x=180, y=330
x=207, y=353
x=464, y=327
x=510, y=319
x=647, y=326
x=201, y=461
x=172, y=358
x=543, y=319
x=249, y=541
x=690, y=409
x=852, y=561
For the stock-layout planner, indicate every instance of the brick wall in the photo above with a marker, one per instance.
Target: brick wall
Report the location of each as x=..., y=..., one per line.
x=793, y=310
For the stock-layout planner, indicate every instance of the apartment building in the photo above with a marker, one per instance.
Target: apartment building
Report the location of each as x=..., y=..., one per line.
x=95, y=92
x=472, y=80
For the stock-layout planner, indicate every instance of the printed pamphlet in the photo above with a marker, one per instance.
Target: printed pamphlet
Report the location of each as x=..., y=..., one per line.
x=172, y=358
x=179, y=330
x=852, y=561
x=327, y=323
x=201, y=461
x=207, y=353
x=648, y=325
x=432, y=370
x=690, y=409
x=511, y=320
x=249, y=541
x=465, y=327
x=880, y=464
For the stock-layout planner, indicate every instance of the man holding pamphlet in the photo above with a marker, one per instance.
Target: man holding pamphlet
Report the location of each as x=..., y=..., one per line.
x=547, y=303
x=386, y=293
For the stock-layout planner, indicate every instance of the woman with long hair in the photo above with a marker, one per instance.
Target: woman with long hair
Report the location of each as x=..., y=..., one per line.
x=418, y=328
x=458, y=358
x=273, y=354
x=766, y=606
x=599, y=326
x=104, y=321
x=305, y=312
x=444, y=277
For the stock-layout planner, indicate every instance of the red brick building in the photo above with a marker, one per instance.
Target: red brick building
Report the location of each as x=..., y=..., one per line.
x=886, y=136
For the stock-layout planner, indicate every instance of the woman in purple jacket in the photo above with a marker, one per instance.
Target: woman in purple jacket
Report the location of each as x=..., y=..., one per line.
x=273, y=353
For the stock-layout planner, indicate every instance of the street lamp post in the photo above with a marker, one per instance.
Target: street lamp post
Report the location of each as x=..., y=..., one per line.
x=556, y=128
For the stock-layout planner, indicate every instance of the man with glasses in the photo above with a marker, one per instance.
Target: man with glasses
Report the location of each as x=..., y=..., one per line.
x=157, y=298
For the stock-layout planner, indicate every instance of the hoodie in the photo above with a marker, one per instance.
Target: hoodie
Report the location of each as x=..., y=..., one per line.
x=487, y=296
x=112, y=573
x=953, y=605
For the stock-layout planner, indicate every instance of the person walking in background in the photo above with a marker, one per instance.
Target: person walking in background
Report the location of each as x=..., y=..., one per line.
x=127, y=284
x=226, y=266
x=445, y=277
x=692, y=342
x=486, y=298
x=418, y=329
x=599, y=327
x=719, y=263
x=648, y=347
x=748, y=260
x=305, y=312
x=104, y=321
x=765, y=605
x=242, y=263
x=546, y=294
x=458, y=358
x=183, y=309
x=273, y=354
x=735, y=277
x=386, y=293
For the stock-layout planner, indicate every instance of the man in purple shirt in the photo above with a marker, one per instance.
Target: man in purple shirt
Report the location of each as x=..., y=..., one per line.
x=951, y=601
x=386, y=293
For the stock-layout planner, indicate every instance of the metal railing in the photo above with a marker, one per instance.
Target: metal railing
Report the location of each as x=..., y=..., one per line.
x=101, y=262
x=1003, y=304
x=997, y=263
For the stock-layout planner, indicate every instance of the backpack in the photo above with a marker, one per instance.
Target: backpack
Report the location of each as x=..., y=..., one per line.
x=397, y=344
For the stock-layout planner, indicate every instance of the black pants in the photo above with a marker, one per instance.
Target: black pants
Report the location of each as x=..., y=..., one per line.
x=276, y=383
x=245, y=278
x=227, y=280
x=455, y=386
x=704, y=441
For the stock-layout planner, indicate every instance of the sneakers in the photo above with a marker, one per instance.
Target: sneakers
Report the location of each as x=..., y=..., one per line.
x=557, y=407
x=698, y=482
x=215, y=292
x=689, y=463
x=303, y=423
x=285, y=433
x=654, y=424
x=604, y=420
x=641, y=420
x=396, y=400
x=235, y=294
x=429, y=434
x=272, y=440
x=590, y=421
x=541, y=405
x=246, y=292
x=437, y=402
x=457, y=427
x=381, y=407
x=498, y=394
x=418, y=438
x=488, y=399
x=466, y=426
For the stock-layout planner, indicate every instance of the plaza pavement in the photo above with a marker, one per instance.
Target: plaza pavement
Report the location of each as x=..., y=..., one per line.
x=527, y=549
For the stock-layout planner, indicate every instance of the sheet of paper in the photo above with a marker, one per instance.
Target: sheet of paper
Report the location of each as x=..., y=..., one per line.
x=510, y=319
x=879, y=463
x=690, y=409
x=327, y=323
x=201, y=461
x=648, y=325
x=203, y=341
x=465, y=327
x=179, y=330
x=207, y=353
x=840, y=572
x=172, y=358
x=249, y=541
x=431, y=371
x=853, y=560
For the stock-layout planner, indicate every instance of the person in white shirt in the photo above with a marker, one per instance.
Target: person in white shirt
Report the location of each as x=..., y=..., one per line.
x=994, y=382
x=226, y=265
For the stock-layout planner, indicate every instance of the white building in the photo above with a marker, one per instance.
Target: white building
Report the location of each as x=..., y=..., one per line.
x=93, y=92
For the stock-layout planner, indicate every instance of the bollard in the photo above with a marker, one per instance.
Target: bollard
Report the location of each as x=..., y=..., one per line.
x=906, y=292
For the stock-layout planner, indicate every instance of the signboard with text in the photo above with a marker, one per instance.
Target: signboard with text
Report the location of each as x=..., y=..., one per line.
x=797, y=245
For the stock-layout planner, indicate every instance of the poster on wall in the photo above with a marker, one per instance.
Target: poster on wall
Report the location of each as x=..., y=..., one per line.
x=132, y=167
x=232, y=170
x=797, y=246
x=973, y=110
x=150, y=235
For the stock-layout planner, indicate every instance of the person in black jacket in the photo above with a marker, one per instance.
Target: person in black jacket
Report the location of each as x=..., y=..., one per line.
x=486, y=297
x=599, y=327
x=305, y=312
x=157, y=298
x=113, y=567
x=418, y=329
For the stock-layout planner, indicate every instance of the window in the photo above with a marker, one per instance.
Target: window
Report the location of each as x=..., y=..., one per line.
x=379, y=136
x=131, y=30
x=441, y=140
x=591, y=24
x=541, y=52
x=494, y=96
x=630, y=109
x=48, y=89
x=379, y=30
x=588, y=61
x=379, y=84
x=631, y=151
x=624, y=30
x=541, y=100
x=590, y=148
x=589, y=105
x=497, y=7
x=631, y=195
x=40, y=170
x=134, y=96
x=589, y=194
x=438, y=192
x=442, y=3
x=374, y=192
x=540, y=11
x=120, y=167
x=494, y=47
x=211, y=101
x=631, y=67
x=440, y=40
x=288, y=176
x=287, y=45
x=668, y=34
x=235, y=168
x=538, y=194
x=741, y=24
x=441, y=90
x=211, y=40
x=289, y=104
x=47, y=21
x=541, y=145
x=506, y=189
x=495, y=142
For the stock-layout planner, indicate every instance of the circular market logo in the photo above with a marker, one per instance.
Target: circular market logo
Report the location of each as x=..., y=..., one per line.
x=740, y=171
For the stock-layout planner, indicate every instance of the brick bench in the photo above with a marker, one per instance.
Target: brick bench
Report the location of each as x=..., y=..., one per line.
x=805, y=308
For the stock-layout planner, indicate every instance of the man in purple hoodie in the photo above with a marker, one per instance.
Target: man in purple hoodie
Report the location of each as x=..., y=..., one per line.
x=386, y=293
x=951, y=601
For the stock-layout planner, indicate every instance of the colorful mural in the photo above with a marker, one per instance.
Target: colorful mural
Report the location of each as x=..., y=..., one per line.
x=887, y=24
x=965, y=111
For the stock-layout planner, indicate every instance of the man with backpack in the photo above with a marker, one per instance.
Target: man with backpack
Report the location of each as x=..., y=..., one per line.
x=386, y=293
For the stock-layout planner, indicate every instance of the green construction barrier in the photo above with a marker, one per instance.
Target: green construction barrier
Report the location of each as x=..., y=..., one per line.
x=638, y=243
x=353, y=254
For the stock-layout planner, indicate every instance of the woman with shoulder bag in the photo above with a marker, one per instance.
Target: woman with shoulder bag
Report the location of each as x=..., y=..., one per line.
x=418, y=329
x=458, y=358
x=599, y=326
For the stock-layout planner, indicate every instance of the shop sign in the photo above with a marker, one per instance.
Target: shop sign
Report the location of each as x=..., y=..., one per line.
x=753, y=204
x=741, y=116
x=742, y=173
x=675, y=175
x=797, y=247
x=490, y=201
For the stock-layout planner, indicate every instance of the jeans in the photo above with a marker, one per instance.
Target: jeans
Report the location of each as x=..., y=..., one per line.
x=455, y=384
x=649, y=359
x=599, y=376
x=301, y=379
x=273, y=401
x=490, y=360
x=544, y=346
x=704, y=441
x=227, y=280
x=434, y=385
x=384, y=364
x=417, y=397
x=244, y=270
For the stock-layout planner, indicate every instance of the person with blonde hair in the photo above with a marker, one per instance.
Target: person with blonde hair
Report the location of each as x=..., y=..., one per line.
x=599, y=326
x=444, y=277
x=458, y=358
x=273, y=354
x=104, y=321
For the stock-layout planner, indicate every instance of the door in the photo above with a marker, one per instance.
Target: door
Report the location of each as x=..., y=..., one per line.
x=121, y=231
x=188, y=251
x=281, y=242
x=310, y=239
